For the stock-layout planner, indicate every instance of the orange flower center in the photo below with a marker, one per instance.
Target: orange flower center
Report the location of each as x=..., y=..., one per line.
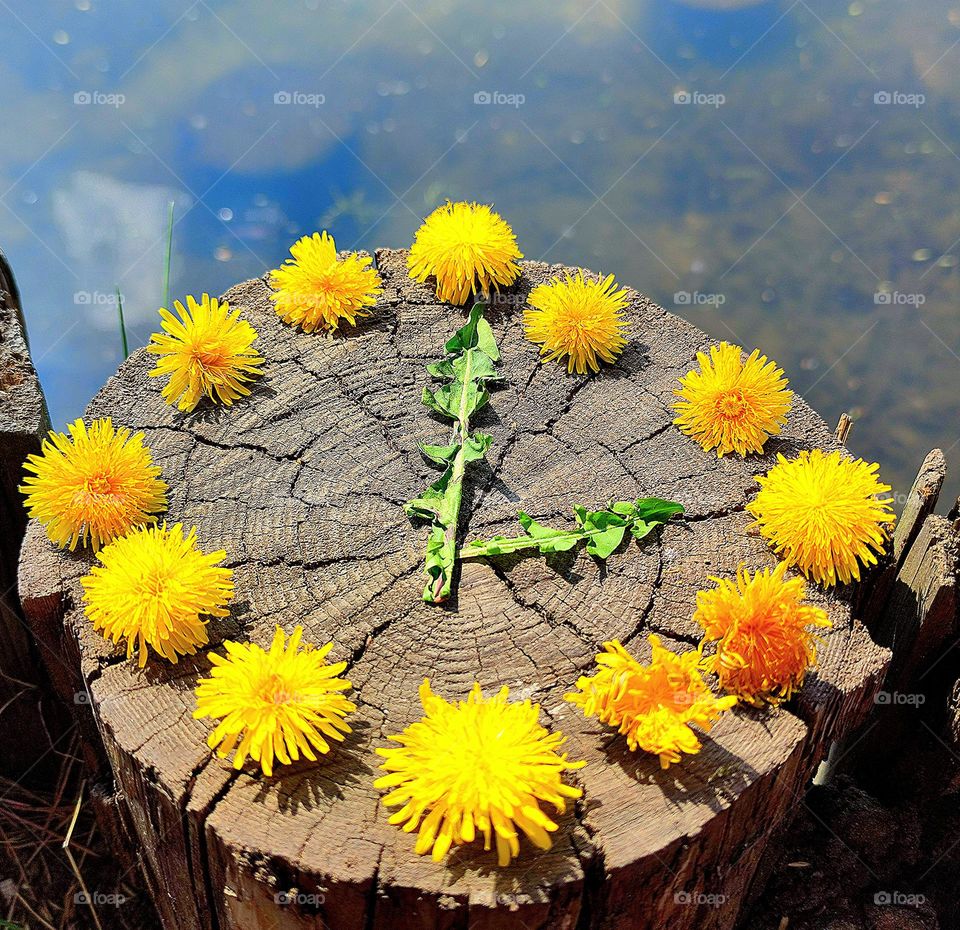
x=207, y=358
x=98, y=484
x=276, y=690
x=156, y=583
x=731, y=404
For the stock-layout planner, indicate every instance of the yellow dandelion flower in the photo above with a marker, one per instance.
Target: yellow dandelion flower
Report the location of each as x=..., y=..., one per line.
x=205, y=351
x=765, y=644
x=153, y=587
x=824, y=513
x=468, y=249
x=92, y=485
x=278, y=704
x=579, y=318
x=316, y=290
x=732, y=405
x=653, y=705
x=483, y=765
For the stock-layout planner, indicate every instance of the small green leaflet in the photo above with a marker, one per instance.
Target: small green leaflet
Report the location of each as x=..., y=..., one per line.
x=602, y=530
x=471, y=363
x=474, y=448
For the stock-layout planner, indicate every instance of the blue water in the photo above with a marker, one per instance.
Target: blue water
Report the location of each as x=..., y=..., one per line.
x=786, y=205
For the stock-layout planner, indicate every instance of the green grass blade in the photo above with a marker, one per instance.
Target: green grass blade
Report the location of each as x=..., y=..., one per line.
x=166, y=263
x=123, y=327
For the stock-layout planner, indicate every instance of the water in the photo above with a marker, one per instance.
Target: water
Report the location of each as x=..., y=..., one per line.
x=782, y=174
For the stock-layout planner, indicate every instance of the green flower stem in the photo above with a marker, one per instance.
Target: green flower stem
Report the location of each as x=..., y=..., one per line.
x=480, y=549
x=602, y=530
x=448, y=552
x=472, y=355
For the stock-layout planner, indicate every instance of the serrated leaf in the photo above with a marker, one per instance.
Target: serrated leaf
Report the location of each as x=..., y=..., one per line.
x=465, y=337
x=601, y=519
x=439, y=454
x=429, y=504
x=651, y=512
x=476, y=447
x=492, y=546
x=456, y=399
x=486, y=342
x=545, y=538
x=656, y=509
x=602, y=530
x=429, y=399
x=474, y=334
x=476, y=398
x=562, y=542
x=442, y=369
x=534, y=529
x=475, y=364
x=605, y=530
x=624, y=508
x=422, y=509
x=603, y=544
x=436, y=566
x=640, y=528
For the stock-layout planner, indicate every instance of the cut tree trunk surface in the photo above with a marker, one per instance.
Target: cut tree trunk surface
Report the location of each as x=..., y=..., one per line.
x=303, y=486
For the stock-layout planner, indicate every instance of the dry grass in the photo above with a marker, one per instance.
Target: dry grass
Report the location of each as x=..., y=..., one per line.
x=56, y=872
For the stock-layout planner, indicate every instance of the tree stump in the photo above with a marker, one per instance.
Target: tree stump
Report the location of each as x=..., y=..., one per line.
x=303, y=486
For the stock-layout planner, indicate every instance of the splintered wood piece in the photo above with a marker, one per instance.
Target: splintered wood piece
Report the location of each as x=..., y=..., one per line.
x=884, y=595
x=844, y=426
x=303, y=486
x=920, y=616
x=920, y=502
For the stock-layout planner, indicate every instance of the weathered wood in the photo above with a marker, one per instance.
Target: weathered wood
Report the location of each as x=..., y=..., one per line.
x=920, y=502
x=844, y=425
x=952, y=729
x=23, y=423
x=872, y=597
x=303, y=486
x=910, y=603
x=920, y=617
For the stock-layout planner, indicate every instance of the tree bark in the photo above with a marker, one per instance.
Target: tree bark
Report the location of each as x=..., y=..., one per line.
x=303, y=485
x=30, y=725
